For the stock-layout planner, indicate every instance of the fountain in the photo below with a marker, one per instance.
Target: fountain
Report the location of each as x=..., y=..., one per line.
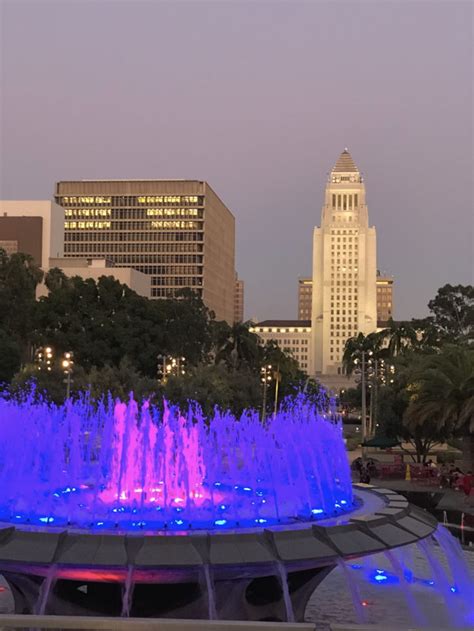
x=120, y=509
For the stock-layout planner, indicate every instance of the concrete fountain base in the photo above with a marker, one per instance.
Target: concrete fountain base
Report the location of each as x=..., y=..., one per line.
x=248, y=574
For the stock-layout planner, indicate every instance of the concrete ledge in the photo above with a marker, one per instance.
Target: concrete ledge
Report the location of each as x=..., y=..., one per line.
x=144, y=624
x=388, y=522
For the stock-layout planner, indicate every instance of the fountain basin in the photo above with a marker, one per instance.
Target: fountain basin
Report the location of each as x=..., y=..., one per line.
x=242, y=562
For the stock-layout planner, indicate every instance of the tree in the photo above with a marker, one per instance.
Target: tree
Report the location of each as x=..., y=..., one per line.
x=441, y=393
x=120, y=381
x=240, y=348
x=19, y=277
x=371, y=343
x=453, y=311
x=401, y=336
x=215, y=385
x=10, y=357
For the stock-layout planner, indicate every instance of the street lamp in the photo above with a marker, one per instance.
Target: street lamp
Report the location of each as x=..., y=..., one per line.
x=67, y=364
x=266, y=377
x=44, y=358
x=362, y=374
x=168, y=365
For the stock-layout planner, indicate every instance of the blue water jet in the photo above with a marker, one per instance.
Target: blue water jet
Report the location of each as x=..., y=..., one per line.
x=115, y=464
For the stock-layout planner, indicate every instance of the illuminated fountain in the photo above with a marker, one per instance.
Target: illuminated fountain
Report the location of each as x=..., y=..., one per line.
x=126, y=510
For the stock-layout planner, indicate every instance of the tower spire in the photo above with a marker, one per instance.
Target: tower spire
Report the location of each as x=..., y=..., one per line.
x=345, y=163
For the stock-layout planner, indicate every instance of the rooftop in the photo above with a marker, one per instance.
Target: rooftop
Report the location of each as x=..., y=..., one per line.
x=345, y=163
x=284, y=323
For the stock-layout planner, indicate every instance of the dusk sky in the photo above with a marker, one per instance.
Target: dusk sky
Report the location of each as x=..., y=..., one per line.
x=259, y=99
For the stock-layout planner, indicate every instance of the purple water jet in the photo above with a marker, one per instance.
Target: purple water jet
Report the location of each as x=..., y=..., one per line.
x=123, y=465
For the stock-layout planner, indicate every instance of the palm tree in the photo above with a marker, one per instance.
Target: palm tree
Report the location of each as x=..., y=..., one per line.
x=401, y=336
x=241, y=346
x=371, y=343
x=441, y=390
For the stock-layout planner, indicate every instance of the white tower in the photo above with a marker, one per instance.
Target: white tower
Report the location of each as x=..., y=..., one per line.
x=344, y=269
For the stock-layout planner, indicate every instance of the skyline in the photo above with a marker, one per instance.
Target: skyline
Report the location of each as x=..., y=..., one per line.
x=222, y=107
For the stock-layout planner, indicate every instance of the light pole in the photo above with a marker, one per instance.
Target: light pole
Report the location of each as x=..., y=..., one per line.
x=168, y=366
x=265, y=371
x=362, y=373
x=44, y=358
x=67, y=364
x=277, y=376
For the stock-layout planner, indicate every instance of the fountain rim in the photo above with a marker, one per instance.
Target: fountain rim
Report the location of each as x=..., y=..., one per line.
x=308, y=544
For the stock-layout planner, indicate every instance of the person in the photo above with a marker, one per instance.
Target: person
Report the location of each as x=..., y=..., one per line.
x=364, y=476
x=467, y=485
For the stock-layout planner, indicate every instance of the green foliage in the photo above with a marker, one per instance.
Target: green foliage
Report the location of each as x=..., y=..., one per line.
x=213, y=385
x=453, y=313
x=441, y=389
x=10, y=356
x=19, y=277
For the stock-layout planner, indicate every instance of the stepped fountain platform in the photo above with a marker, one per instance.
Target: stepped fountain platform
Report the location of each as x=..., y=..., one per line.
x=246, y=566
x=120, y=509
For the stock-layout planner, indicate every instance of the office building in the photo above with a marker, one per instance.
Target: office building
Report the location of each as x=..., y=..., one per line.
x=292, y=336
x=177, y=231
x=34, y=227
x=305, y=298
x=384, y=299
x=344, y=269
x=239, y=300
x=384, y=285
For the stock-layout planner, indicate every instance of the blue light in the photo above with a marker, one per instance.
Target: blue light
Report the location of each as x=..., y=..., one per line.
x=317, y=511
x=454, y=590
x=381, y=576
x=220, y=522
x=356, y=566
x=46, y=520
x=260, y=520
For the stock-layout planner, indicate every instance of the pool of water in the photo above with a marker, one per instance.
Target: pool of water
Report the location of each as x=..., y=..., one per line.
x=382, y=595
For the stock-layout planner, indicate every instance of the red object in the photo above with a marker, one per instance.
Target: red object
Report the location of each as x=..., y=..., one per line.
x=467, y=484
x=3, y=589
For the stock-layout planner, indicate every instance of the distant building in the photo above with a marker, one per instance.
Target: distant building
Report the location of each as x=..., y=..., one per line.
x=177, y=231
x=95, y=268
x=384, y=285
x=292, y=336
x=384, y=299
x=34, y=227
x=239, y=300
x=305, y=297
x=344, y=269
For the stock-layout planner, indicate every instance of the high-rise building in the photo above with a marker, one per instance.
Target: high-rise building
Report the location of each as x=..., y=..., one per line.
x=34, y=227
x=177, y=231
x=239, y=300
x=344, y=269
x=305, y=297
x=384, y=299
x=384, y=284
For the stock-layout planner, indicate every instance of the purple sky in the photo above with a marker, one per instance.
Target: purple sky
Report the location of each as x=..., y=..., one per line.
x=259, y=99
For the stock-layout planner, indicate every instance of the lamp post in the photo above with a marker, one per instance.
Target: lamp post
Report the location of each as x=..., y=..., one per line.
x=168, y=365
x=67, y=365
x=277, y=376
x=44, y=358
x=266, y=374
x=362, y=374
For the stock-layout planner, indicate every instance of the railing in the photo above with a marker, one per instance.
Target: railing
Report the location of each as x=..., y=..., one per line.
x=83, y=623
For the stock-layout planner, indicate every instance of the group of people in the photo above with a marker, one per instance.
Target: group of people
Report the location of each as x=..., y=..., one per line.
x=366, y=469
x=454, y=478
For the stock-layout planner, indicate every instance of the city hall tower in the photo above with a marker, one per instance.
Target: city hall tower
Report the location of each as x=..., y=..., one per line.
x=344, y=301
